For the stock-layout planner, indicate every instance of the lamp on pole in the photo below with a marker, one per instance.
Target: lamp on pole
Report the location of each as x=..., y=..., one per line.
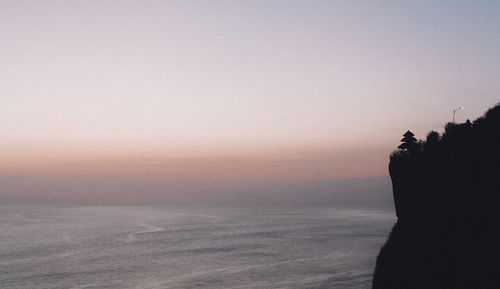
x=455, y=110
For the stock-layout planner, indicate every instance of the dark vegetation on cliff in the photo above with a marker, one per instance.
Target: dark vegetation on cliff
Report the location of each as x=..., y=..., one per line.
x=447, y=197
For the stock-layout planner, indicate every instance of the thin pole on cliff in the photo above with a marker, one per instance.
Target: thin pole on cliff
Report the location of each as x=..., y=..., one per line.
x=455, y=110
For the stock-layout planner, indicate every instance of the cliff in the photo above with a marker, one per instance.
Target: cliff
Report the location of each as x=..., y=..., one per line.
x=447, y=198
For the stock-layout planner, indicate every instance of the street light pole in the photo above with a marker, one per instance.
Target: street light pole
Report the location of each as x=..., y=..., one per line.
x=455, y=110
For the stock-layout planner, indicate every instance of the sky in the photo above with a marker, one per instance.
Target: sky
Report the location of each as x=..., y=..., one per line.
x=232, y=90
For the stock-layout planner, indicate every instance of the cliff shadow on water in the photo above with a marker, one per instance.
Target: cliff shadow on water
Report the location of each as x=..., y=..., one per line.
x=447, y=197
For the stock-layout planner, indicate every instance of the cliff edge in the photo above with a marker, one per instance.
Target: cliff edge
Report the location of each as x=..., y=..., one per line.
x=447, y=197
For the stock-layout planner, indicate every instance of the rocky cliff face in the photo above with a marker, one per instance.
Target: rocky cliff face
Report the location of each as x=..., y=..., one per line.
x=447, y=197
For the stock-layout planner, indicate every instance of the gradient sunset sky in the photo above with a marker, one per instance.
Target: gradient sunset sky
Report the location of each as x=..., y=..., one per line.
x=236, y=89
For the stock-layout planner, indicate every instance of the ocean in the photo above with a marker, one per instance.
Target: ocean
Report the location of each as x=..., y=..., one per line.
x=162, y=247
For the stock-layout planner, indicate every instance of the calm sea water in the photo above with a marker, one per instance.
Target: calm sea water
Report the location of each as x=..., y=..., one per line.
x=153, y=247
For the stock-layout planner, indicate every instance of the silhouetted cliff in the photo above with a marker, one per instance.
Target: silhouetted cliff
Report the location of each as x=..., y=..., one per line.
x=447, y=197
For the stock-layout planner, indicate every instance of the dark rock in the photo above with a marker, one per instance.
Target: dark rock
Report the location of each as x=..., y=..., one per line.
x=447, y=199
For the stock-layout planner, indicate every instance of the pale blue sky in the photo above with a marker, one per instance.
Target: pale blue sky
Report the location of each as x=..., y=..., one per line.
x=241, y=77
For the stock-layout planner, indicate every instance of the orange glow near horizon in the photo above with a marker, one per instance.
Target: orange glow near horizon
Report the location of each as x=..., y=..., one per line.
x=214, y=162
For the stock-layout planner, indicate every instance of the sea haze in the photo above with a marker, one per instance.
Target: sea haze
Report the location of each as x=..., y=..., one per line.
x=126, y=191
x=211, y=247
